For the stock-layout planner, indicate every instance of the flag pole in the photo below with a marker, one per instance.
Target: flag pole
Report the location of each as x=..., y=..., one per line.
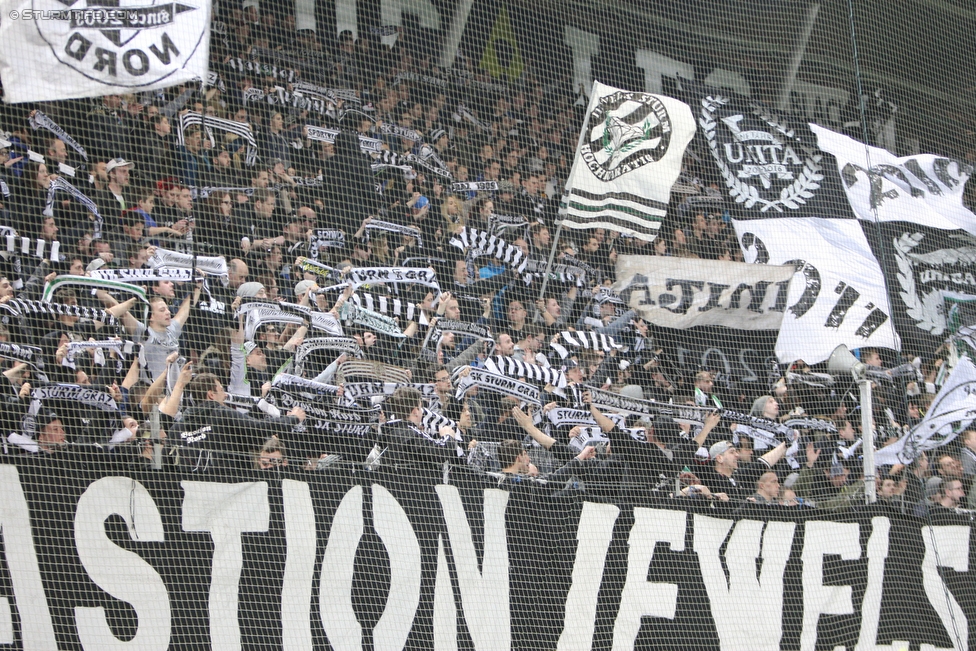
x=552, y=254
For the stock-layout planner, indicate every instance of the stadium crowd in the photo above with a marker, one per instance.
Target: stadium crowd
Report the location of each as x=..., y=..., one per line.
x=336, y=255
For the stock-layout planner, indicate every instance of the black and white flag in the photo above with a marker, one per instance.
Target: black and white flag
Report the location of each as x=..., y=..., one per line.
x=838, y=292
x=924, y=189
x=952, y=411
x=927, y=270
x=67, y=51
x=768, y=161
x=629, y=156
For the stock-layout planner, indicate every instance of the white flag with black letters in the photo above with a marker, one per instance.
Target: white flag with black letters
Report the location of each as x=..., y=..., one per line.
x=838, y=292
x=629, y=156
x=51, y=50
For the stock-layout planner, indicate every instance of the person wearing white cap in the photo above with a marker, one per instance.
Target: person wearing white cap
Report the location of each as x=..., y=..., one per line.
x=727, y=480
x=113, y=200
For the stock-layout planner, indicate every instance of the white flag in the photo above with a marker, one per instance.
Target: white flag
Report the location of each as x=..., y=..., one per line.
x=628, y=158
x=51, y=50
x=838, y=292
x=924, y=189
x=953, y=409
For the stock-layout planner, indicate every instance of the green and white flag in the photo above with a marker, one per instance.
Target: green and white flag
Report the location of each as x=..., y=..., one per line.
x=628, y=158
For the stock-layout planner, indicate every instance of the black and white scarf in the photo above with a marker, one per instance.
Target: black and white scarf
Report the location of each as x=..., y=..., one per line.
x=305, y=388
x=346, y=345
x=118, y=346
x=60, y=183
x=354, y=391
x=240, y=129
x=75, y=393
x=322, y=134
x=25, y=307
x=511, y=367
x=40, y=121
x=370, y=320
x=387, y=159
x=202, y=192
x=319, y=269
x=462, y=114
x=433, y=422
x=584, y=339
x=30, y=355
x=428, y=158
x=474, y=186
x=210, y=265
x=390, y=129
x=496, y=383
x=258, y=68
x=358, y=276
x=326, y=239
x=638, y=407
x=375, y=370
x=288, y=313
x=390, y=306
x=38, y=248
x=564, y=273
x=409, y=231
x=94, y=283
x=478, y=243
x=131, y=275
x=501, y=224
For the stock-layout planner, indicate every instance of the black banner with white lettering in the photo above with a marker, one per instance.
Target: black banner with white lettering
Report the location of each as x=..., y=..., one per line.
x=100, y=552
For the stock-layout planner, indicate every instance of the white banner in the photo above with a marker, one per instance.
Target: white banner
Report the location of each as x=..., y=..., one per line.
x=953, y=409
x=838, y=292
x=628, y=158
x=685, y=292
x=49, y=51
x=925, y=189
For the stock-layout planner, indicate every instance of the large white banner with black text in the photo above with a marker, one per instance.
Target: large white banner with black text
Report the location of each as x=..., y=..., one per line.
x=838, y=295
x=54, y=50
x=110, y=555
x=685, y=292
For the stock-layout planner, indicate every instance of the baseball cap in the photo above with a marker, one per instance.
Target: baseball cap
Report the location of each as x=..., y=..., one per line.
x=303, y=287
x=719, y=448
x=248, y=347
x=118, y=162
x=249, y=290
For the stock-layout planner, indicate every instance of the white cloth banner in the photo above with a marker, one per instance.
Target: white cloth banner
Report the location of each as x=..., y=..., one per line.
x=953, y=409
x=686, y=292
x=49, y=51
x=628, y=158
x=924, y=189
x=838, y=292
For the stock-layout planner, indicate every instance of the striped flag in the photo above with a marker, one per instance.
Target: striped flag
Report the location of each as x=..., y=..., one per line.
x=628, y=158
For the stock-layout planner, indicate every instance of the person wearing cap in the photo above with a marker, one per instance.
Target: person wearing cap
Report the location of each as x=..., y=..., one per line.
x=251, y=290
x=192, y=164
x=725, y=477
x=114, y=198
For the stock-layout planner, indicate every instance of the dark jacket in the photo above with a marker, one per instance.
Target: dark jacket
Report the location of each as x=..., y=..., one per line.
x=213, y=434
